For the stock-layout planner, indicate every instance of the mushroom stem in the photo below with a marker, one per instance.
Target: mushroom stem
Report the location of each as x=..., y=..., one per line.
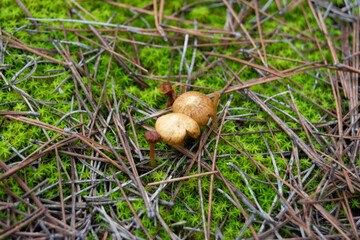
x=179, y=84
x=152, y=155
x=152, y=137
x=216, y=99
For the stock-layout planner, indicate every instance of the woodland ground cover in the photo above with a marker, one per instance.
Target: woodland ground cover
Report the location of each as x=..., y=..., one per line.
x=285, y=147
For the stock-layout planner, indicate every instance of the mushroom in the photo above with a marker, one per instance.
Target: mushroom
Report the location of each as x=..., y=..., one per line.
x=196, y=105
x=173, y=128
x=168, y=90
x=152, y=137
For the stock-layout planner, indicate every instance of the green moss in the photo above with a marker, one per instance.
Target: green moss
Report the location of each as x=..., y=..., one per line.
x=201, y=14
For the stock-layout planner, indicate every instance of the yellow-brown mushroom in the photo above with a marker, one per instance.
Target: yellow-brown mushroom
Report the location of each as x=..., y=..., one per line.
x=196, y=105
x=173, y=128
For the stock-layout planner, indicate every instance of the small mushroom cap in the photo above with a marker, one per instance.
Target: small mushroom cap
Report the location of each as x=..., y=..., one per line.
x=152, y=136
x=173, y=128
x=196, y=105
x=165, y=88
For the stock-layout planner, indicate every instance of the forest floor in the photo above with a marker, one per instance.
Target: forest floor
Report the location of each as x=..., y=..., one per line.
x=79, y=88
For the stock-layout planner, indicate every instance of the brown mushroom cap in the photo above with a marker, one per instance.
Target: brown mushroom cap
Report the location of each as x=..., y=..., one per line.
x=196, y=105
x=165, y=88
x=173, y=128
x=152, y=137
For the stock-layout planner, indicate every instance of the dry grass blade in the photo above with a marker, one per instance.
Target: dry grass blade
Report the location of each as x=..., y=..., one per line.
x=213, y=166
x=254, y=65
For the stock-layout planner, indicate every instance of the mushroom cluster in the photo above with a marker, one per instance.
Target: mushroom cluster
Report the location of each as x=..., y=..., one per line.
x=190, y=111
